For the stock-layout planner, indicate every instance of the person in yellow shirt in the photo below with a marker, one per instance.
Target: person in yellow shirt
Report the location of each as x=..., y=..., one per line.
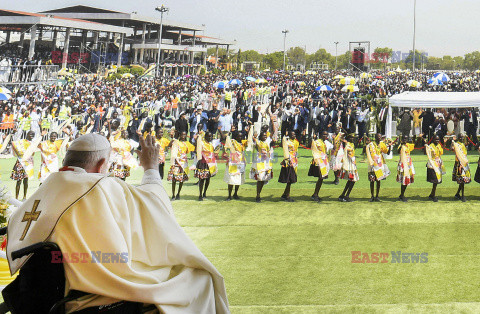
x=235, y=168
x=49, y=150
x=336, y=155
x=23, y=169
x=288, y=173
x=461, y=168
x=405, y=169
x=377, y=167
x=163, y=145
x=349, y=169
x=261, y=170
x=179, y=163
x=417, y=122
x=320, y=165
x=435, y=167
x=207, y=163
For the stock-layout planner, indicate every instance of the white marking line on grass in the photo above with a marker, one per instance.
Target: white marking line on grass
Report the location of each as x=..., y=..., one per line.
x=357, y=304
x=347, y=255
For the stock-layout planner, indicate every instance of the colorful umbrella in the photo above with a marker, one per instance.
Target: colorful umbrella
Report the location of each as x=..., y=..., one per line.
x=350, y=88
x=434, y=81
x=261, y=81
x=378, y=82
x=339, y=77
x=5, y=90
x=347, y=81
x=441, y=76
x=235, y=82
x=365, y=75
x=413, y=83
x=310, y=72
x=391, y=73
x=5, y=96
x=323, y=88
x=250, y=79
x=220, y=84
x=297, y=73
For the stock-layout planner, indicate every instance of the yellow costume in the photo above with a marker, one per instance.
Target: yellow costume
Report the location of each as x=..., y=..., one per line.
x=320, y=164
x=179, y=161
x=207, y=163
x=24, y=166
x=123, y=160
x=49, y=152
x=461, y=168
x=349, y=166
x=377, y=168
x=405, y=169
x=262, y=162
x=235, y=169
x=163, y=144
x=435, y=167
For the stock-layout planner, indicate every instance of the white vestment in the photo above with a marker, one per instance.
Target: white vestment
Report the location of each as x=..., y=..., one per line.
x=85, y=213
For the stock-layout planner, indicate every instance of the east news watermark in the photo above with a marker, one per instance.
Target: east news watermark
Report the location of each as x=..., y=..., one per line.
x=394, y=257
x=96, y=257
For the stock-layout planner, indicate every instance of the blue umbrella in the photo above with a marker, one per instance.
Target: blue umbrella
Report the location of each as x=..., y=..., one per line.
x=442, y=77
x=220, y=84
x=251, y=79
x=323, y=88
x=434, y=81
x=5, y=96
x=235, y=82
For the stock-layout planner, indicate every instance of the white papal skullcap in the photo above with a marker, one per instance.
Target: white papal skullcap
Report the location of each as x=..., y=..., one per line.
x=90, y=143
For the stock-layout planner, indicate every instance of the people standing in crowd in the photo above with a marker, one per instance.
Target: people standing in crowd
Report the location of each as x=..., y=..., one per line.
x=470, y=126
x=405, y=169
x=261, y=170
x=23, y=169
x=179, y=163
x=461, y=168
x=235, y=167
x=320, y=165
x=349, y=169
x=435, y=167
x=377, y=167
x=206, y=167
x=288, y=172
x=163, y=144
x=49, y=152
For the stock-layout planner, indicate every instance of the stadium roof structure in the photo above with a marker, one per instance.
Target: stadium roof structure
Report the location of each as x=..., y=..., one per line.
x=149, y=39
x=17, y=20
x=119, y=18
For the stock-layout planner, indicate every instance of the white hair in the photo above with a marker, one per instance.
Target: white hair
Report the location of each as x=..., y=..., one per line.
x=82, y=159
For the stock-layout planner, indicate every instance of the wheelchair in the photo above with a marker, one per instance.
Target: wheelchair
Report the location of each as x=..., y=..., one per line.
x=40, y=287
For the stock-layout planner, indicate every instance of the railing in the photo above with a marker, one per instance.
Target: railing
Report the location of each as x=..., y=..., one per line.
x=28, y=74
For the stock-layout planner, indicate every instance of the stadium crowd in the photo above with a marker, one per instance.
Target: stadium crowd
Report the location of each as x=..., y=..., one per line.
x=201, y=114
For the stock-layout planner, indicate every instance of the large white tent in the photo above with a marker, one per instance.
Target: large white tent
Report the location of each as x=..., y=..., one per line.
x=430, y=100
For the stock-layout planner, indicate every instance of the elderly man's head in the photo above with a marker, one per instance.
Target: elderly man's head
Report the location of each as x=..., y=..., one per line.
x=90, y=152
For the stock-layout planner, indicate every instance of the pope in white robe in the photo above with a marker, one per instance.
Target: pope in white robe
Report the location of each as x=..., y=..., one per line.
x=136, y=251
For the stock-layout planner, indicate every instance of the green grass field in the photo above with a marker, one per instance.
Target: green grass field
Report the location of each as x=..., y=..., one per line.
x=280, y=257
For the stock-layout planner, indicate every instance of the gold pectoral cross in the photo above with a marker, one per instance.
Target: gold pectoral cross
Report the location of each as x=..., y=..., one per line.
x=29, y=217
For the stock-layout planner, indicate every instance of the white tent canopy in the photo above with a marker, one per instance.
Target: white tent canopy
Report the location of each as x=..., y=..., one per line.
x=430, y=100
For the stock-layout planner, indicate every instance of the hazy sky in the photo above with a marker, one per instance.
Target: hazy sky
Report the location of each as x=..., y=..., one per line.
x=444, y=27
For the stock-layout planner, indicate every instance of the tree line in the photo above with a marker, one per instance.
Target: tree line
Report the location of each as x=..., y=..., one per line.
x=297, y=56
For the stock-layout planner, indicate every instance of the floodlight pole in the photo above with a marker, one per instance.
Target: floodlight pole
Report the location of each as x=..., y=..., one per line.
x=414, y=30
x=162, y=9
x=336, y=54
x=285, y=31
